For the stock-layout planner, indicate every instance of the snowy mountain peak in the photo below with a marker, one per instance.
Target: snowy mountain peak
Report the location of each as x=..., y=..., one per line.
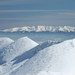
x=16, y=48
x=24, y=39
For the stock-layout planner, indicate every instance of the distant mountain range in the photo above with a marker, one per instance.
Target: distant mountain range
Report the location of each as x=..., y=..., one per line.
x=41, y=29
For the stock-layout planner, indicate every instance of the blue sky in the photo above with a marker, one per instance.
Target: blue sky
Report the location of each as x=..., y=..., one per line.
x=15, y=13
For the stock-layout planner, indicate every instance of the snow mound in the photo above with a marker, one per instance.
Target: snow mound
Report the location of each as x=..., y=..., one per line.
x=4, y=41
x=57, y=59
x=16, y=48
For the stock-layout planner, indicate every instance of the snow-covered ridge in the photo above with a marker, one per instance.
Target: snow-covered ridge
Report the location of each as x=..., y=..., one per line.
x=26, y=57
x=18, y=52
x=16, y=48
x=57, y=59
x=41, y=29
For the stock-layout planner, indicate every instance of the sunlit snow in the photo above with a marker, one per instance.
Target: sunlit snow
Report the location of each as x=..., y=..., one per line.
x=26, y=57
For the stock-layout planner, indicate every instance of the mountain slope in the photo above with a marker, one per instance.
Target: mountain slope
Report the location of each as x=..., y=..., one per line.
x=30, y=53
x=4, y=41
x=54, y=60
x=16, y=48
x=21, y=59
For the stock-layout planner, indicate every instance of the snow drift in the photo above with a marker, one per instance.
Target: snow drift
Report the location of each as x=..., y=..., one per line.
x=57, y=59
x=16, y=48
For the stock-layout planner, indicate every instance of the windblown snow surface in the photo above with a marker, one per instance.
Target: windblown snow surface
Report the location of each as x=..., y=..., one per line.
x=57, y=59
x=26, y=57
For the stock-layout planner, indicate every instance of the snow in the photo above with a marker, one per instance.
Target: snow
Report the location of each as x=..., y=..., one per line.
x=26, y=57
x=13, y=50
x=58, y=59
x=20, y=60
x=16, y=48
x=7, y=68
x=4, y=41
x=41, y=29
x=30, y=53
